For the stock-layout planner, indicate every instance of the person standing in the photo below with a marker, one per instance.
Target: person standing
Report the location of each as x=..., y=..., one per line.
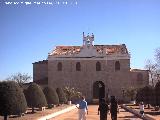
x=141, y=107
x=113, y=108
x=83, y=109
x=103, y=109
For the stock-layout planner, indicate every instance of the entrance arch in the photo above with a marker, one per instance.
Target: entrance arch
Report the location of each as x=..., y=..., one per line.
x=98, y=90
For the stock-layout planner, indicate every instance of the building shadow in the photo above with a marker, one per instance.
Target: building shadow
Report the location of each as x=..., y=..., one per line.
x=122, y=111
x=153, y=113
x=14, y=116
x=30, y=112
x=127, y=117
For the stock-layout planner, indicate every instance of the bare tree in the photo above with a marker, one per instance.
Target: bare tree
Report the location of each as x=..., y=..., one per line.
x=20, y=78
x=152, y=68
x=157, y=59
x=157, y=56
x=131, y=92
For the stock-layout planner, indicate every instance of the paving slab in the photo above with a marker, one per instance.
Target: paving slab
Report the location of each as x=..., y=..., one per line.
x=92, y=115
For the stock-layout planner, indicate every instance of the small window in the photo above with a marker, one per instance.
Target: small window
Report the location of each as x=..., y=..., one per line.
x=139, y=77
x=59, y=66
x=98, y=66
x=78, y=66
x=117, y=65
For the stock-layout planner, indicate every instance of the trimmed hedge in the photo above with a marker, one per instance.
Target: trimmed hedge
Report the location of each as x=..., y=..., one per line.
x=157, y=92
x=35, y=96
x=51, y=96
x=12, y=99
x=146, y=94
x=61, y=95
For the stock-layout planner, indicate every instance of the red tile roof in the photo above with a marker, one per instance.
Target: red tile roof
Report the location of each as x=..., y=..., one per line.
x=108, y=49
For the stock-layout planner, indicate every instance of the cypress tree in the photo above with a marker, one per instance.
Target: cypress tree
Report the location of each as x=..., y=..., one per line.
x=51, y=96
x=35, y=97
x=147, y=95
x=61, y=95
x=140, y=96
x=12, y=99
x=157, y=92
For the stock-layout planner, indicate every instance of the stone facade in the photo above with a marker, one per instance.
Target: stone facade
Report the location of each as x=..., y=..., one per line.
x=40, y=72
x=90, y=67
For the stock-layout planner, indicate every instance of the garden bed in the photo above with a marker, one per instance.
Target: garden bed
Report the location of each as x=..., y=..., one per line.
x=37, y=114
x=150, y=112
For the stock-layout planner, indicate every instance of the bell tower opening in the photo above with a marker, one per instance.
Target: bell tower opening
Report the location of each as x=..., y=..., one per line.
x=88, y=40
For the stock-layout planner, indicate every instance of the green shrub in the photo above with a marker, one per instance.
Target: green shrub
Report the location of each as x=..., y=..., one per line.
x=12, y=99
x=131, y=93
x=35, y=97
x=51, y=96
x=72, y=94
x=61, y=95
x=69, y=92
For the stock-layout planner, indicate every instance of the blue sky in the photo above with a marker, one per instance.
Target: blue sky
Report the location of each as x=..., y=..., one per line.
x=29, y=32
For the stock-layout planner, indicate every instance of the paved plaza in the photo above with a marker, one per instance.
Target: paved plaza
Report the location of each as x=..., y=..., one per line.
x=92, y=115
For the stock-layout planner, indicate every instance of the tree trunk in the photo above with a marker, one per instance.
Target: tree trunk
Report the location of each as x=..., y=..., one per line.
x=148, y=106
x=5, y=117
x=32, y=109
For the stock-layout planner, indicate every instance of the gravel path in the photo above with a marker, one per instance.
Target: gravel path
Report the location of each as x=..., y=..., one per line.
x=73, y=115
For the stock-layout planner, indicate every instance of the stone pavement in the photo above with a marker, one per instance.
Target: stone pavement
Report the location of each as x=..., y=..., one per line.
x=92, y=115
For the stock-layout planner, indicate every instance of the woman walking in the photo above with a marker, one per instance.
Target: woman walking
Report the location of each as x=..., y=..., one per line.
x=113, y=108
x=103, y=109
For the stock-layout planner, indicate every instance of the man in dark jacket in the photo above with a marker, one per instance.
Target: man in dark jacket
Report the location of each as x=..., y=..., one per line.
x=103, y=109
x=113, y=108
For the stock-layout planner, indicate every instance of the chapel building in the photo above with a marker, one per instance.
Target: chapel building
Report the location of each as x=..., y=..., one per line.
x=95, y=70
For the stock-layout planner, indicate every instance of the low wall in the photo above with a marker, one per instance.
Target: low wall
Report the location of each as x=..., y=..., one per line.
x=47, y=117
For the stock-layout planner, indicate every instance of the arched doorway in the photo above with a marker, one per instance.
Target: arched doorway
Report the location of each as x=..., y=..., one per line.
x=98, y=90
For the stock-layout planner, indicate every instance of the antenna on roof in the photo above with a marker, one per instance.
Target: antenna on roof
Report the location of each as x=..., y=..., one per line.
x=83, y=39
